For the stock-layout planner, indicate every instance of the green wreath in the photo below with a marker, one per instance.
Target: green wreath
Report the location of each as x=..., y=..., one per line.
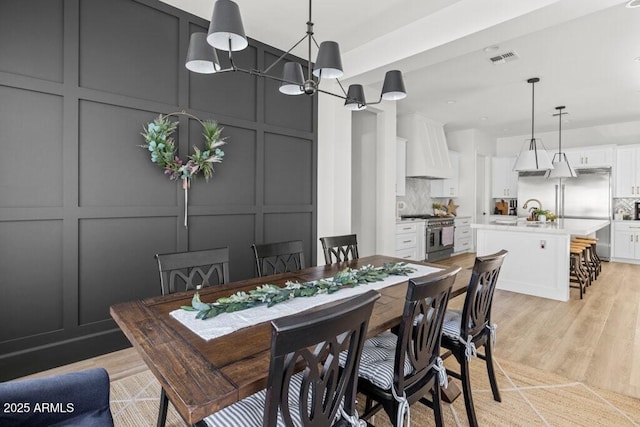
x=160, y=142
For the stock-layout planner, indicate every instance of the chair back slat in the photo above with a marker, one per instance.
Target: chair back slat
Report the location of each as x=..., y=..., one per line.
x=340, y=248
x=280, y=257
x=181, y=271
x=313, y=343
x=476, y=313
x=421, y=327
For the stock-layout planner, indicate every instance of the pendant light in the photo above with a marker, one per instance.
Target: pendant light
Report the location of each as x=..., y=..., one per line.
x=201, y=57
x=561, y=167
x=533, y=156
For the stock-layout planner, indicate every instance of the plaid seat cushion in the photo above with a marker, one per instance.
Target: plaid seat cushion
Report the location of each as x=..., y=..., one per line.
x=451, y=325
x=376, y=362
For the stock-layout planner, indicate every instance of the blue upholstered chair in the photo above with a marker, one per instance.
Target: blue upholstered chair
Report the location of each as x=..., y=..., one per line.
x=74, y=399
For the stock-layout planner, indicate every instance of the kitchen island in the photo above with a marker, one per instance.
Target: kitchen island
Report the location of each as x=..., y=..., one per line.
x=538, y=259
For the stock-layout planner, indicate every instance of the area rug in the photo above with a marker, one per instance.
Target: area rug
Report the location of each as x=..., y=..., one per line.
x=530, y=397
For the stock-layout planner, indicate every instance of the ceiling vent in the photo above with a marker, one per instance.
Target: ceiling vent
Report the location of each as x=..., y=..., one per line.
x=504, y=58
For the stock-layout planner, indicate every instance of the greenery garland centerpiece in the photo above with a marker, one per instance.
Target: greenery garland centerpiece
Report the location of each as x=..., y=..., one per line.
x=158, y=136
x=271, y=294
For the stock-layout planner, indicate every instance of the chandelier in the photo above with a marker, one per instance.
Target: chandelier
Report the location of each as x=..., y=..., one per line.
x=226, y=33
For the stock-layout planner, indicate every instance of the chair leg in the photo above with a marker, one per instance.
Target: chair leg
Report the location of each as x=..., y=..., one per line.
x=164, y=406
x=490, y=370
x=466, y=391
x=437, y=408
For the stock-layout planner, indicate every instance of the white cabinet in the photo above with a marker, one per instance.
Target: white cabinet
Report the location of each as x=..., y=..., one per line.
x=401, y=166
x=448, y=187
x=626, y=244
x=504, y=180
x=410, y=240
x=462, y=235
x=627, y=172
x=589, y=157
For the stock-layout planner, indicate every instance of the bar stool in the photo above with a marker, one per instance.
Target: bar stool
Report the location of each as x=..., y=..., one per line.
x=594, y=255
x=587, y=259
x=576, y=270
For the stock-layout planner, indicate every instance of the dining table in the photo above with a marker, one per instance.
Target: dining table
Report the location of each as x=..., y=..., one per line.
x=203, y=376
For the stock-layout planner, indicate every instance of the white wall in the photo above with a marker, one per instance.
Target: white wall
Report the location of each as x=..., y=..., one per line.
x=386, y=174
x=618, y=133
x=364, y=180
x=334, y=169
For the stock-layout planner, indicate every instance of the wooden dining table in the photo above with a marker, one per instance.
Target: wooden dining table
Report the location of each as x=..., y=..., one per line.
x=201, y=377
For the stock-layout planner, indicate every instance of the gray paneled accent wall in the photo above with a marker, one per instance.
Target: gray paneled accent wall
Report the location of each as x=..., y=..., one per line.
x=82, y=208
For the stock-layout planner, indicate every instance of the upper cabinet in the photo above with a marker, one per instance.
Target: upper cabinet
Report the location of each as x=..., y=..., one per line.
x=627, y=172
x=504, y=183
x=448, y=187
x=590, y=157
x=427, y=152
x=401, y=166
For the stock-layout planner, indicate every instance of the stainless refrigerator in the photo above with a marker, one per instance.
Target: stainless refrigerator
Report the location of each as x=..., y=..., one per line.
x=588, y=196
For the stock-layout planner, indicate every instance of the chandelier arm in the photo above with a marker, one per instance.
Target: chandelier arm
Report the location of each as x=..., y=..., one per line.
x=342, y=87
x=377, y=102
x=315, y=41
x=256, y=73
x=284, y=54
x=336, y=95
x=233, y=65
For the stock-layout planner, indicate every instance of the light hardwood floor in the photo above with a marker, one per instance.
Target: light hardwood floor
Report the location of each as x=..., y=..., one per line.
x=595, y=340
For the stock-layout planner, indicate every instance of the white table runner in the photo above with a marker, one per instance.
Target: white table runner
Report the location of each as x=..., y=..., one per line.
x=226, y=323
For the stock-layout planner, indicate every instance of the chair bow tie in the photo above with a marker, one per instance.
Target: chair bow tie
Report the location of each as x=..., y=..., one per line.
x=492, y=330
x=403, y=408
x=470, y=347
x=442, y=372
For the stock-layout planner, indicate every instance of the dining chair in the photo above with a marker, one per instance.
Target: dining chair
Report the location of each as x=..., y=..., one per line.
x=398, y=370
x=280, y=257
x=306, y=385
x=342, y=248
x=464, y=332
x=74, y=399
x=181, y=271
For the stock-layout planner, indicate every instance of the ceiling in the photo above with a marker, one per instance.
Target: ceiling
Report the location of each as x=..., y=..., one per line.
x=583, y=51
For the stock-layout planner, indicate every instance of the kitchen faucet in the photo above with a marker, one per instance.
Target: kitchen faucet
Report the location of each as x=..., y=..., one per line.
x=532, y=200
x=532, y=210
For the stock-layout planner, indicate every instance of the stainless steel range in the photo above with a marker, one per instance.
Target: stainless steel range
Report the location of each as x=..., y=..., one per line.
x=439, y=236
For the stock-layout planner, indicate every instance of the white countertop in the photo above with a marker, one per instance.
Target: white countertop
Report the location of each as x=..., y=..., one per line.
x=562, y=226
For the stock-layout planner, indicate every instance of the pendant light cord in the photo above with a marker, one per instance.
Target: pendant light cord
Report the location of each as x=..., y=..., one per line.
x=560, y=113
x=533, y=103
x=560, y=131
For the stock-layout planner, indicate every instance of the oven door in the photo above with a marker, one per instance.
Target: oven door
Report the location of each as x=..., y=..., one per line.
x=434, y=239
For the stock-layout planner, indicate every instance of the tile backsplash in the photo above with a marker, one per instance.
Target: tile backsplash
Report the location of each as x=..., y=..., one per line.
x=627, y=206
x=417, y=198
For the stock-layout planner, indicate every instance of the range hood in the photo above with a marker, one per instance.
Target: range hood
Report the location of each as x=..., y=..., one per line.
x=427, y=151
